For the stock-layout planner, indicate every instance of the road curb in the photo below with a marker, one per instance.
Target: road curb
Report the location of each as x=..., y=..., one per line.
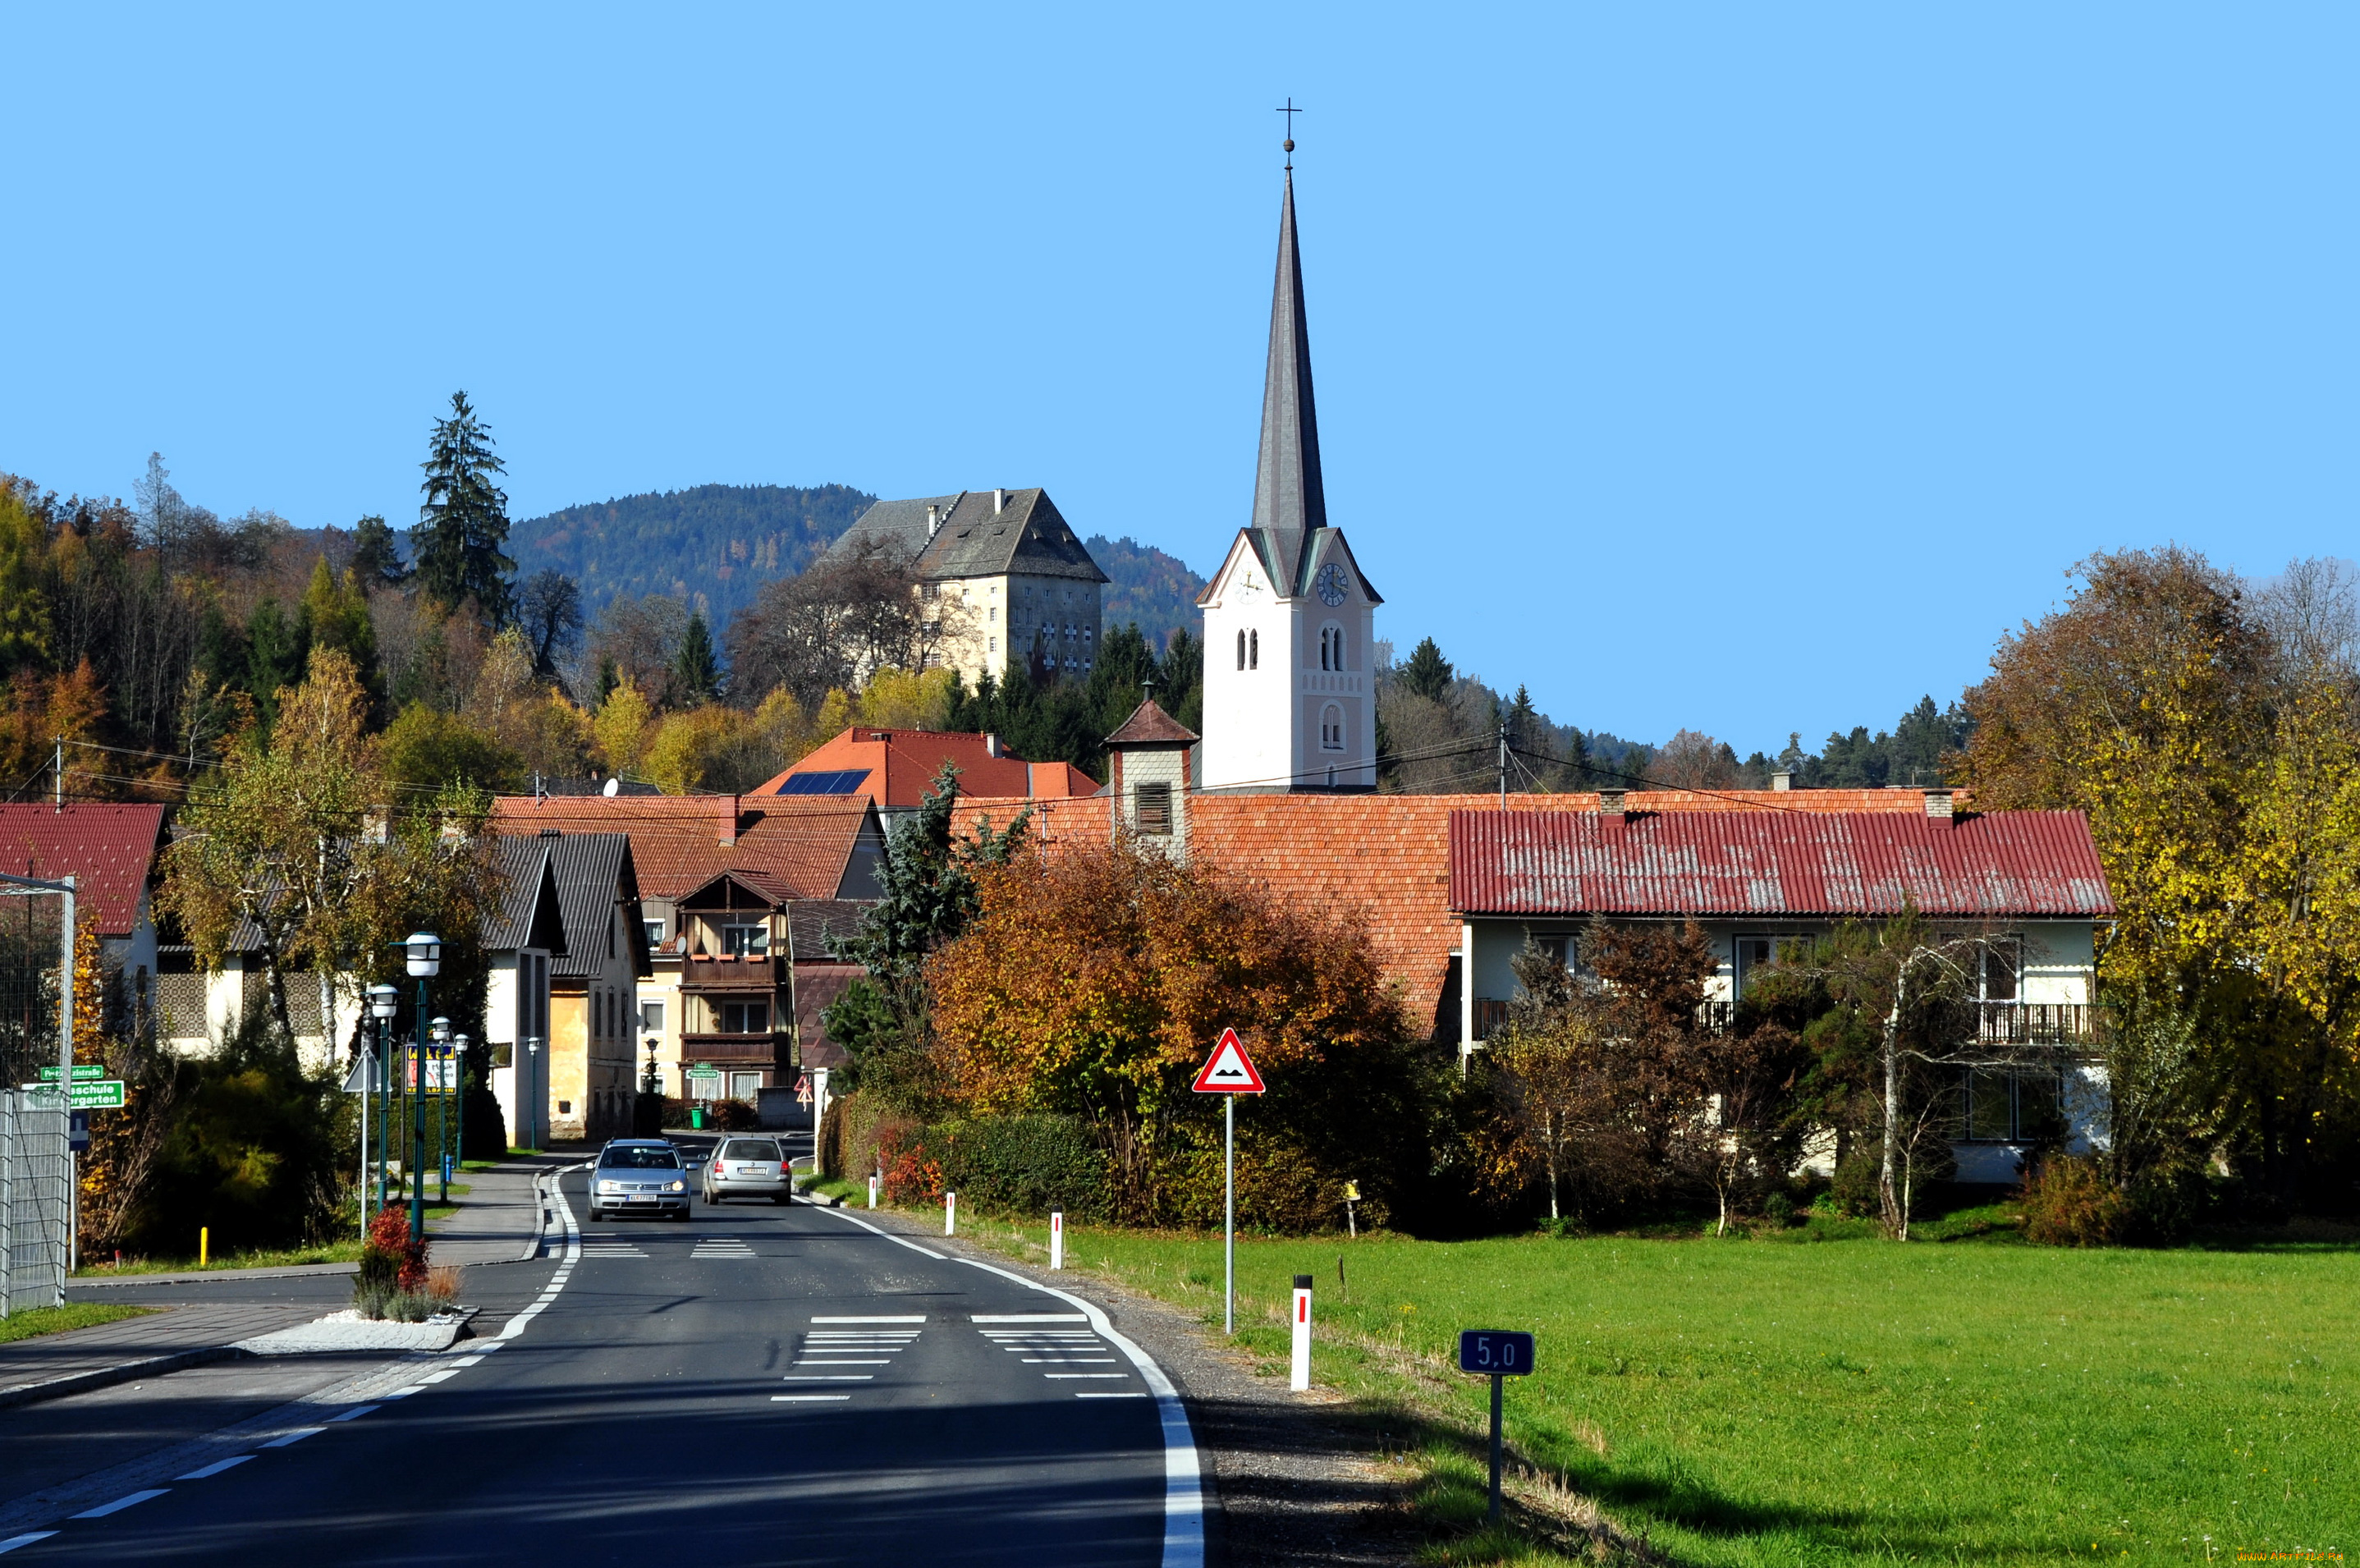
x=122, y=1372
x=291, y=1271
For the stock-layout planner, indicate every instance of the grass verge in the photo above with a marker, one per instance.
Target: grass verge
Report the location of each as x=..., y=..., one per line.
x=61, y=1320
x=1814, y=1398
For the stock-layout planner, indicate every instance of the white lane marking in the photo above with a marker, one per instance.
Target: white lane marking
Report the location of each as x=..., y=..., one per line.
x=1134, y=1394
x=564, y=1213
x=1183, y=1475
x=216, y=1467
x=1068, y=1376
x=439, y=1377
x=300, y=1433
x=1068, y=1361
x=1027, y=1317
x=27, y=1538
x=120, y=1504
x=844, y=1377
x=919, y=1318
x=833, y=1361
x=354, y=1413
x=469, y=1361
x=405, y=1393
x=807, y=1399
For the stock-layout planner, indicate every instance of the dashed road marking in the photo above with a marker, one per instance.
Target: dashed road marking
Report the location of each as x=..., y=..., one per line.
x=216, y=1467
x=918, y=1318
x=808, y=1398
x=120, y=1504
x=27, y=1538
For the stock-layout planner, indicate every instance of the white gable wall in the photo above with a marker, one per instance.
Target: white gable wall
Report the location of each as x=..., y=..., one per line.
x=1264, y=723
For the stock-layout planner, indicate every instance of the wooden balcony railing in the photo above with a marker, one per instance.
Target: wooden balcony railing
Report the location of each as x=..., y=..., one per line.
x=2039, y=1023
x=732, y=1049
x=726, y=972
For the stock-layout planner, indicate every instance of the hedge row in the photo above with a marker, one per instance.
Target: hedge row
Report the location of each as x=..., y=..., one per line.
x=1018, y=1165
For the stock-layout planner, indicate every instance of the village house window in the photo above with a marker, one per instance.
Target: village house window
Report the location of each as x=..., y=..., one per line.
x=746, y=941
x=1151, y=809
x=2022, y=1107
x=651, y=1017
x=655, y=933
x=744, y=1085
x=1760, y=952
x=745, y=1017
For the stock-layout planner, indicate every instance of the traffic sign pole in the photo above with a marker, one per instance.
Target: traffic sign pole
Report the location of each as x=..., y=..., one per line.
x=1229, y=1214
x=1498, y=1382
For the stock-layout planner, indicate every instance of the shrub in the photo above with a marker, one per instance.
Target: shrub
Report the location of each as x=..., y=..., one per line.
x=2069, y=1202
x=1021, y=1164
x=732, y=1116
x=1854, y=1191
x=1779, y=1210
x=392, y=1264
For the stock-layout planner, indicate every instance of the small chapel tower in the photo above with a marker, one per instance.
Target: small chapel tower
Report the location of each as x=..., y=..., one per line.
x=1290, y=700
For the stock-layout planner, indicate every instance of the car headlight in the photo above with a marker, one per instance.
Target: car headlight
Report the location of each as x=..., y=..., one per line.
x=677, y=1187
x=610, y=1186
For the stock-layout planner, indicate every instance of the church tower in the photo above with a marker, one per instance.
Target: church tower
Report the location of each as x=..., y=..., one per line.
x=1290, y=699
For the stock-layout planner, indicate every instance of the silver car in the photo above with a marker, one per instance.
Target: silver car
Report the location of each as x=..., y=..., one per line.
x=754, y=1168
x=639, y=1175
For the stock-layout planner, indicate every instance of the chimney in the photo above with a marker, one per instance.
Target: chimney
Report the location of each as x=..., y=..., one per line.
x=933, y=520
x=998, y=502
x=1938, y=806
x=725, y=819
x=1610, y=802
x=1782, y=781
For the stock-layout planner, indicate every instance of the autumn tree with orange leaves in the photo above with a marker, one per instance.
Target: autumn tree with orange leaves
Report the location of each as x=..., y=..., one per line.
x=1094, y=982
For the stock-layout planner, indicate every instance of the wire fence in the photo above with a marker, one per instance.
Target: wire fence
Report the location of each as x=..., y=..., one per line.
x=35, y=1174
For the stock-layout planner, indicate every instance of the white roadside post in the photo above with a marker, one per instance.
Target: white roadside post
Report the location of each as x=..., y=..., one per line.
x=950, y=1213
x=872, y=1192
x=1228, y=1072
x=1300, y=1378
x=1056, y=1238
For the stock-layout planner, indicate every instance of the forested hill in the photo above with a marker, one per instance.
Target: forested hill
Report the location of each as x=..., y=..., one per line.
x=720, y=543
x=717, y=542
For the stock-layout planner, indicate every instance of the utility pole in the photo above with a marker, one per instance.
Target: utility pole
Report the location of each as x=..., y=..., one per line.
x=1503, y=763
x=57, y=774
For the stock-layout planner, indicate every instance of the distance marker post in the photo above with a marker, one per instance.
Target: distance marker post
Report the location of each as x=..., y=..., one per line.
x=1056, y=1238
x=1499, y=1355
x=1299, y=1377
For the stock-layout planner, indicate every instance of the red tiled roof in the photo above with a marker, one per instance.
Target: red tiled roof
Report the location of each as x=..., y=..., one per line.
x=901, y=765
x=1775, y=863
x=1389, y=855
x=109, y=850
x=804, y=841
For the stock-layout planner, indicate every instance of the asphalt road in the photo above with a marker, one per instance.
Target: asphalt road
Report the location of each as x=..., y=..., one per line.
x=759, y=1386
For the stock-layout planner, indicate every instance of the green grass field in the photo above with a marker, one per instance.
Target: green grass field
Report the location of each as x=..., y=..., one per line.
x=61, y=1320
x=1762, y=1401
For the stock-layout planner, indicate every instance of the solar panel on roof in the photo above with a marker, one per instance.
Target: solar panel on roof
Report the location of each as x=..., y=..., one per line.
x=843, y=782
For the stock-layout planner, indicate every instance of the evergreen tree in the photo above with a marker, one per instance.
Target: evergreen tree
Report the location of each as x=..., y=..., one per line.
x=695, y=673
x=1182, y=695
x=1578, y=775
x=1427, y=673
x=337, y=614
x=376, y=555
x=465, y=521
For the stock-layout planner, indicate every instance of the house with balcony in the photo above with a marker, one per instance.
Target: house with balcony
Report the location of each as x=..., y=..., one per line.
x=2027, y=884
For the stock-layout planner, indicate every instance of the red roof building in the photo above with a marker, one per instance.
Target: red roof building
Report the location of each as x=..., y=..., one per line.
x=111, y=852
x=893, y=768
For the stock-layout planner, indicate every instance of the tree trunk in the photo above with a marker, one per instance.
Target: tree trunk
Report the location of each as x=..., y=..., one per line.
x=1549, y=1125
x=1895, y=1217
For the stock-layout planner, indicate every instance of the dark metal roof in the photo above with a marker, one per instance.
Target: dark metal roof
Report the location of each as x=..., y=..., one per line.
x=594, y=875
x=529, y=913
x=1028, y=536
x=811, y=922
x=1290, y=498
x=1150, y=726
x=1775, y=863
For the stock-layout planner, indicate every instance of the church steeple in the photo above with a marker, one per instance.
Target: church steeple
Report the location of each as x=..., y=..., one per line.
x=1290, y=500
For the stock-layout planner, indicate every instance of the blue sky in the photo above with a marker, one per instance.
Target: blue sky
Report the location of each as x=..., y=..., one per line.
x=1746, y=368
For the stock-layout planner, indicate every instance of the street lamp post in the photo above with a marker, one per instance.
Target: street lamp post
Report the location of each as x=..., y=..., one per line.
x=651, y=1086
x=383, y=1002
x=458, y=1100
x=439, y=1032
x=532, y=1070
x=425, y=962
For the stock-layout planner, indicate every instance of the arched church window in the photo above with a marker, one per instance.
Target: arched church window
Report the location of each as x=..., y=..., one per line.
x=1253, y=650
x=1242, y=650
x=1331, y=729
x=1331, y=647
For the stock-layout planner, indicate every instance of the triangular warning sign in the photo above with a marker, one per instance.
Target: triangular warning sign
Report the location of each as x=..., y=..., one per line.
x=1228, y=1071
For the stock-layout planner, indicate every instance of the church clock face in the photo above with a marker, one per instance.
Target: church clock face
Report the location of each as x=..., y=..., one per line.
x=1330, y=584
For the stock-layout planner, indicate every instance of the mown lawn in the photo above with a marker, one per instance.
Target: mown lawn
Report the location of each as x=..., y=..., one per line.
x=1759, y=1401
x=61, y=1320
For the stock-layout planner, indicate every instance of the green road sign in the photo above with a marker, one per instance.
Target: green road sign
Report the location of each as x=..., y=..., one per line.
x=704, y=1069
x=104, y=1094
x=83, y=1070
